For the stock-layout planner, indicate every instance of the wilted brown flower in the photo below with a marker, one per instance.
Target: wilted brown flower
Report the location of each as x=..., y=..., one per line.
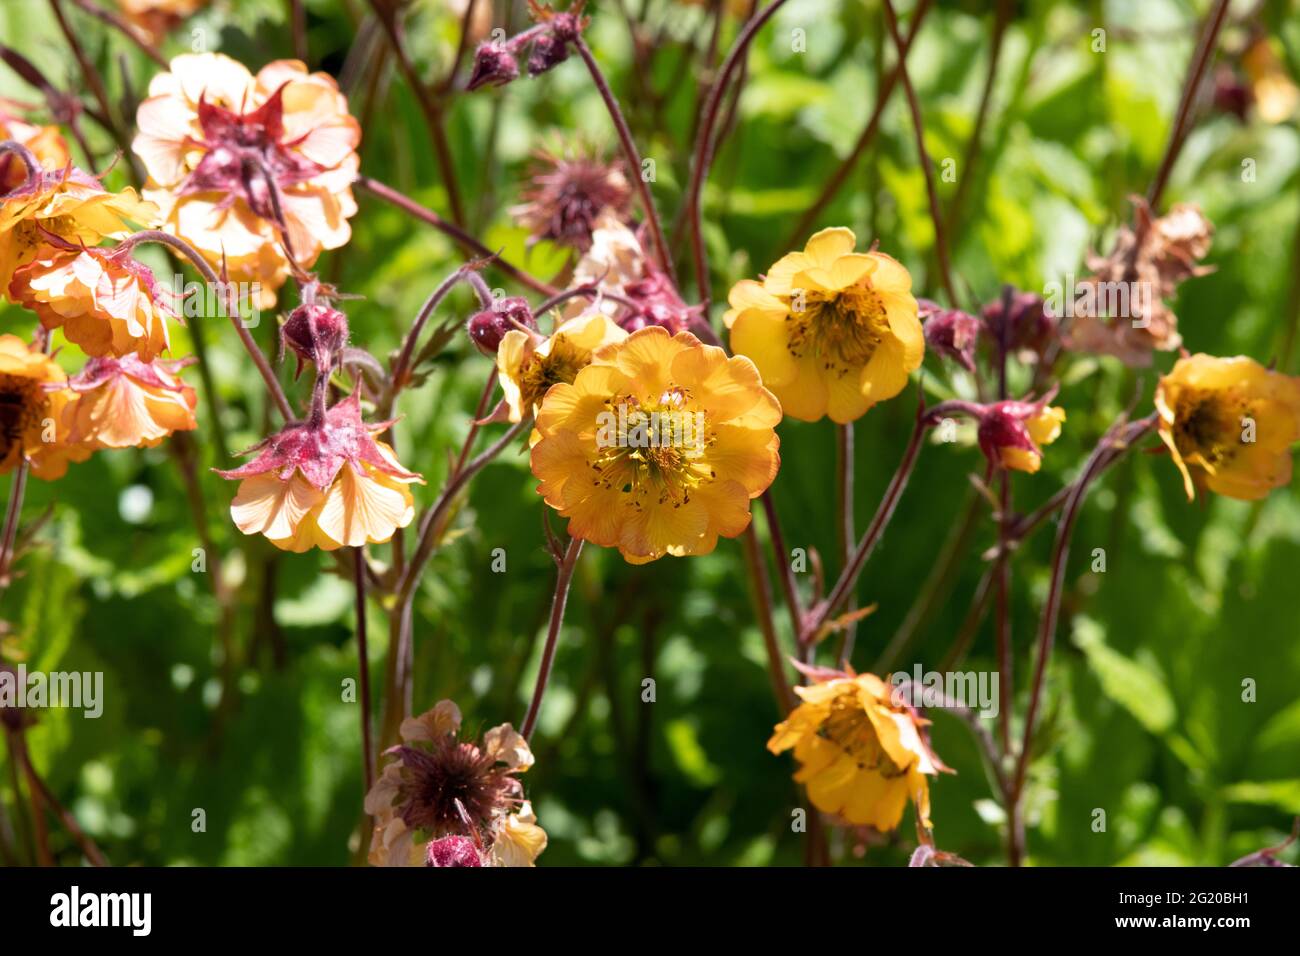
x=568, y=193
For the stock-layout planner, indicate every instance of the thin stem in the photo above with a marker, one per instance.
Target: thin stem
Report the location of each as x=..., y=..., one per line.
x=37, y=786
x=563, y=578
x=433, y=118
x=914, y=106
x=12, y=512
x=631, y=154
x=402, y=365
x=232, y=309
x=871, y=537
x=845, y=169
x=1118, y=440
x=785, y=699
x=462, y=46
x=126, y=29
x=298, y=24
x=844, y=497
x=785, y=572
x=706, y=147
x=1195, y=73
x=363, y=665
x=457, y=234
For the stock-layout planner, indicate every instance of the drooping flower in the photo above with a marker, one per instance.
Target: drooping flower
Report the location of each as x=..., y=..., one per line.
x=447, y=801
x=832, y=331
x=616, y=265
x=324, y=485
x=105, y=300
x=862, y=750
x=1012, y=433
x=46, y=143
x=568, y=194
x=34, y=400
x=233, y=159
x=528, y=364
x=1229, y=424
x=658, y=446
x=129, y=403
x=1120, y=309
x=68, y=205
x=157, y=18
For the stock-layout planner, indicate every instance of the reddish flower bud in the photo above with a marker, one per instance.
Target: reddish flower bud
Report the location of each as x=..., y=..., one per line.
x=494, y=65
x=1011, y=433
x=951, y=333
x=548, y=52
x=1026, y=325
x=317, y=332
x=487, y=328
x=658, y=304
x=453, y=851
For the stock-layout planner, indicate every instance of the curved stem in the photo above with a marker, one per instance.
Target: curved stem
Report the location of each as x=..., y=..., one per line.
x=914, y=106
x=402, y=364
x=232, y=309
x=363, y=666
x=563, y=578
x=457, y=234
x=785, y=699
x=705, y=147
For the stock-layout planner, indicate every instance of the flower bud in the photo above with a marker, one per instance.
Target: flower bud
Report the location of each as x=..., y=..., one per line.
x=487, y=328
x=452, y=851
x=951, y=333
x=548, y=52
x=494, y=65
x=1026, y=325
x=317, y=333
x=1011, y=433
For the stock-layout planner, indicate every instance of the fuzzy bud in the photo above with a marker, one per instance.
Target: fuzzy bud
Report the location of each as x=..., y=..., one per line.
x=951, y=333
x=548, y=52
x=452, y=851
x=494, y=65
x=1026, y=325
x=317, y=333
x=487, y=328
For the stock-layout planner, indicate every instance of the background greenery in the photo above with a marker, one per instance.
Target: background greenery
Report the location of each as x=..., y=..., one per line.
x=1144, y=716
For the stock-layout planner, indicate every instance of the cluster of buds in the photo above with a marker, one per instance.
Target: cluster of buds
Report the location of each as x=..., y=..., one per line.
x=496, y=61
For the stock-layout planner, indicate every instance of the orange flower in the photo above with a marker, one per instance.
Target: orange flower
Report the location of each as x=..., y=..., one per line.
x=33, y=409
x=69, y=205
x=45, y=142
x=129, y=403
x=1229, y=424
x=107, y=302
x=862, y=752
x=658, y=446
x=232, y=157
x=832, y=331
x=324, y=485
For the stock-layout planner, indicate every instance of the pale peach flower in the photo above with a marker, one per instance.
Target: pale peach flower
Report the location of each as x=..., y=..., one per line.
x=129, y=403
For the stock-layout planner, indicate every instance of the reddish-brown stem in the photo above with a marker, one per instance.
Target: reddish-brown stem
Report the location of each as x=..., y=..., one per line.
x=563, y=578
x=259, y=358
x=631, y=155
x=843, y=588
x=458, y=235
x=706, y=147
x=126, y=29
x=931, y=190
x=428, y=105
x=298, y=26
x=402, y=364
x=785, y=699
x=363, y=665
x=785, y=572
x=844, y=497
x=845, y=169
x=1191, y=86
x=41, y=794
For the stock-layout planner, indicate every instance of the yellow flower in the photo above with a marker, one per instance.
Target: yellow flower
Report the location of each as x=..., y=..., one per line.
x=528, y=365
x=107, y=303
x=224, y=148
x=658, y=446
x=1011, y=433
x=862, y=755
x=832, y=331
x=129, y=403
x=1275, y=95
x=326, y=485
x=453, y=802
x=70, y=205
x=32, y=414
x=1229, y=424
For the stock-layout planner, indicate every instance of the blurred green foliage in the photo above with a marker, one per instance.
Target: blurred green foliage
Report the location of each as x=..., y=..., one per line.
x=1144, y=713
